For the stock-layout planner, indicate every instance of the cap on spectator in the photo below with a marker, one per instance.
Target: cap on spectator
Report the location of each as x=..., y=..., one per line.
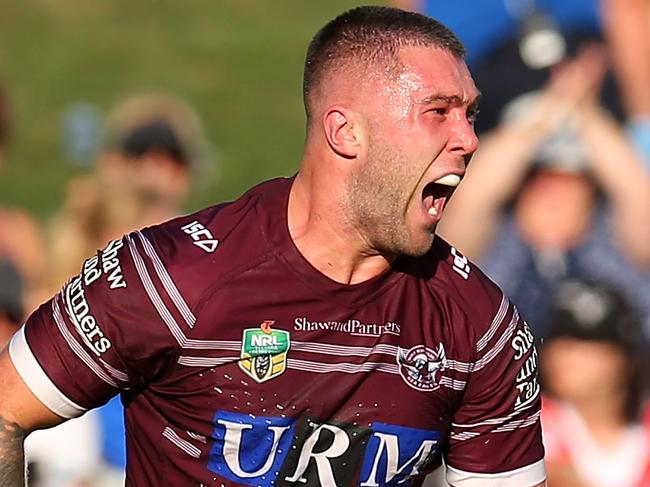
x=151, y=122
x=11, y=292
x=594, y=311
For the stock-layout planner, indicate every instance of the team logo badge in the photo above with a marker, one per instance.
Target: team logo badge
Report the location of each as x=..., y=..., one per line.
x=420, y=366
x=264, y=352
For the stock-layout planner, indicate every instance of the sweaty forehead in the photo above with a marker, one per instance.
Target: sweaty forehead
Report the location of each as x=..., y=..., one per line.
x=431, y=71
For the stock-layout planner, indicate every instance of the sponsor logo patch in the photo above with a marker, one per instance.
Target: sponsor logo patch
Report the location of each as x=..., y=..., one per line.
x=352, y=326
x=284, y=452
x=202, y=237
x=264, y=352
x=420, y=366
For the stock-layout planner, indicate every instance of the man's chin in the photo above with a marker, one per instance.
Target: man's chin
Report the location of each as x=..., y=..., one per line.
x=417, y=247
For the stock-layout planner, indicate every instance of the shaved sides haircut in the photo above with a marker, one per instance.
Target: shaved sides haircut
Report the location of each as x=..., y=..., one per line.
x=371, y=34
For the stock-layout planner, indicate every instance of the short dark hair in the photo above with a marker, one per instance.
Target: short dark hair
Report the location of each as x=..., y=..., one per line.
x=369, y=34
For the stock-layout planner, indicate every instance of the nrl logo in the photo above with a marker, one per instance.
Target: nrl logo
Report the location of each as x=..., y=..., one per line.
x=264, y=352
x=420, y=366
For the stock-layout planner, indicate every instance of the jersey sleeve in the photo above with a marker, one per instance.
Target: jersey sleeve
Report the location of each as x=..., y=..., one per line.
x=495, y=437
x=111, y=329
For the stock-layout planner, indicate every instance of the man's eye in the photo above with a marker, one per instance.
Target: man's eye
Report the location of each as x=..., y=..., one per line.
x=438, y=111
x=472, y=115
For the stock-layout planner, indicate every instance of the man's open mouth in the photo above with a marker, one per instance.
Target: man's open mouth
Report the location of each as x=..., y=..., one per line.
x=436, y=193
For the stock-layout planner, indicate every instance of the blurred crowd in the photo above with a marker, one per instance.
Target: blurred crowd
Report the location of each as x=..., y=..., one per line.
x=153, y=148
x=555, y=207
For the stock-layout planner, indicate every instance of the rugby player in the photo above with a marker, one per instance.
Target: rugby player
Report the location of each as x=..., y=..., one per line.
x=315, y=331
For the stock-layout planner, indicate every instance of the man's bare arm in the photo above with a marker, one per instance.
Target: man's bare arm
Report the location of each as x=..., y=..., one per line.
x=12, y=465
x=20, y=413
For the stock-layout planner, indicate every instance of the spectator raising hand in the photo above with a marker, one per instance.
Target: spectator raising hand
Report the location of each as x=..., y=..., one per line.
x=556, y=191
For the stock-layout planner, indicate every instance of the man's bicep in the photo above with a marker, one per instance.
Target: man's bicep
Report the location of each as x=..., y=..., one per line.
x=18, y=404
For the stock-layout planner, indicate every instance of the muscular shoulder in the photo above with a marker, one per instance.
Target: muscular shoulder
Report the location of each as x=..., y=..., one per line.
x=209, y=245
x=460, y=281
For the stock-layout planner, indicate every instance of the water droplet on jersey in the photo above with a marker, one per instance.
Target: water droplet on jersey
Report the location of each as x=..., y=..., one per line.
x=376, y=405
x=279, y=406
x=360, y=405
x=227, y=376
x=244, y=383
x=220, y=391
x=251, y=415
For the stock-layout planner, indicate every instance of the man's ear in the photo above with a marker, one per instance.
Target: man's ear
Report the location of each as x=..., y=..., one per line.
x=341, y=131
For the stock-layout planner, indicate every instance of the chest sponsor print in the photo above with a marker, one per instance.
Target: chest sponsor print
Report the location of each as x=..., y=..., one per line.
x=256, y=450
x=264, y=352
x=420, y=366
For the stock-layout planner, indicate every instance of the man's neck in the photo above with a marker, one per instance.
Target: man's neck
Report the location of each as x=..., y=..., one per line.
x=326, y=237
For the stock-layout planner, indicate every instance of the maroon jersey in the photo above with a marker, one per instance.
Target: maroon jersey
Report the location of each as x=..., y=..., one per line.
x=240, y=364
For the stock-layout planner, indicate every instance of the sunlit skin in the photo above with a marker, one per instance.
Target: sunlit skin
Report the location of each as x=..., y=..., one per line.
x=375, y=142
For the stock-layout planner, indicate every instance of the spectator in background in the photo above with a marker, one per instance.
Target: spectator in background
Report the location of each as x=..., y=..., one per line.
x=153, y=144
x=512, y=44
x=596, y=422
x=557, y=192
x=20, y=237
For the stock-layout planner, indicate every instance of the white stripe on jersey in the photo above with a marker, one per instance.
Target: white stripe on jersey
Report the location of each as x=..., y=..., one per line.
x=320, y=367
x=154, y=297
x=205, y=361
x=345, y=367
x=490, y=422
x=532, y=474
x=519, y=423
x=507, y=424
x=164, y=312
x=167, y=281
x=457, y=385
x=117, y=374
x=496, y=322
x=76, y=347
x=184, y=445
x=464, y=435
x=344, y=350
x=503, y=340
x=37, y=380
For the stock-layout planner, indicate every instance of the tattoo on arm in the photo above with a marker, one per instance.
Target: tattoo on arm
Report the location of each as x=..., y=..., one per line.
x=12, y=457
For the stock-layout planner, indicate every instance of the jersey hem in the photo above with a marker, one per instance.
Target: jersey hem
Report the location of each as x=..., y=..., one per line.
x=37, y=380
x=527, y=476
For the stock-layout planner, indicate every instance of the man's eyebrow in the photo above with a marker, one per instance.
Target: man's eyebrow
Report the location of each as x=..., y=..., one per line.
x=450, y=99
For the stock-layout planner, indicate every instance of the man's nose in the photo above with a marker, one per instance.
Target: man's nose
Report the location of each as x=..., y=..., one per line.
x=463, y=140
